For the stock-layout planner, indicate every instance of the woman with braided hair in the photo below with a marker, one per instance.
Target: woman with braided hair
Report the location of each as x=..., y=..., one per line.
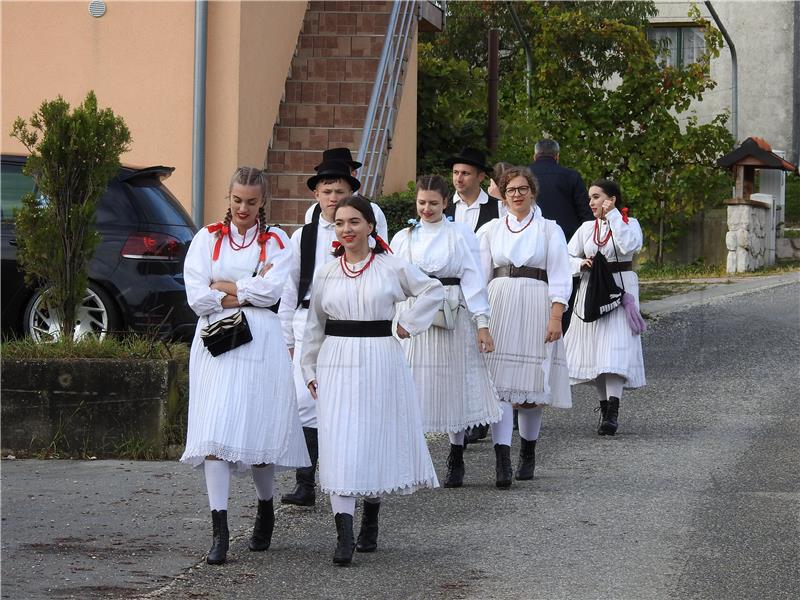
x=242, y=408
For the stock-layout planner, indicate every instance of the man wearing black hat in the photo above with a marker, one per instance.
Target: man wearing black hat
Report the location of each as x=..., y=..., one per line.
x=312, y=249
x=471, y=205
x=344, y=155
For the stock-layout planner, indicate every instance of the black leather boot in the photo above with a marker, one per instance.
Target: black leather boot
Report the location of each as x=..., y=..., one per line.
x=344, y=539
x=455, y=467
x=262, y=530
x=368, y=536
x=527, y=460
x=610, y=422
x=603, y=412
x=503, y=472
x=304, y=493
x=219, y=544
x=471, y=435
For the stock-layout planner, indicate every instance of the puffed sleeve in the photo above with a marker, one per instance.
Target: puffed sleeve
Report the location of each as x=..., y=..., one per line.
x=265, y=290
x=429, y=294
x=576, y=252
x=485, y=241
x=399, y=244
x=559, y=274
x=314, y=333
x=197, y=276
x=290, y=291
x=380, y=222
x=473, y=284
x=627, y=236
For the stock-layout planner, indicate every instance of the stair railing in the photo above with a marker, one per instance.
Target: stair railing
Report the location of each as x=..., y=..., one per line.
x=376, y=136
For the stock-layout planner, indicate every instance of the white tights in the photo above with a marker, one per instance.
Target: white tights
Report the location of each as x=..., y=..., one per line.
x=457, y=439
x=530, y=422
x=609, y=385
x=218, y=482
x=347, y=504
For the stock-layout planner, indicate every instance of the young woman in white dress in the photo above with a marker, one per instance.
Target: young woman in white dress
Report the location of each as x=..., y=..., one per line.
x=606, y=352
x=371, y=440
x=525, y=260
x=450, y=373
x=242, y=410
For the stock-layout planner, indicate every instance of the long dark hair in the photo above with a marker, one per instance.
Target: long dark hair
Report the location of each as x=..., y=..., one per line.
x=363, y=206
x=610, y=188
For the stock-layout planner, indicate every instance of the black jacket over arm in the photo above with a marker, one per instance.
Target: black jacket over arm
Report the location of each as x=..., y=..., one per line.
x=562, y=195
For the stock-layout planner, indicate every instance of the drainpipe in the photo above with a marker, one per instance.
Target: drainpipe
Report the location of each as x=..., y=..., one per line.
x=734, y=73
x=796, y=111
x=199, y=121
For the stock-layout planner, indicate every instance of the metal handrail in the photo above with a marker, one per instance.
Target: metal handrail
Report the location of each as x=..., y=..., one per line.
x=379, y=122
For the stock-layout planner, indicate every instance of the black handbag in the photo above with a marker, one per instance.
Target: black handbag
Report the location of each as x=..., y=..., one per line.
x=603, y=295
x=226, y=334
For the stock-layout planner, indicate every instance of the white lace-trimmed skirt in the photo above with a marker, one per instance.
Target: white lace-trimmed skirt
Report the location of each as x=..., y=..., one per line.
x=371, y=440
x=525, y=369
x=451, y=377
x=606, y=345
x=242, y=406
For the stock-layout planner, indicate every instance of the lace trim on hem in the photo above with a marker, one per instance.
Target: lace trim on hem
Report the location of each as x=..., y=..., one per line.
x=524, y=397
x=462, y=427
x=589, y=375
x=409, y=488
x=242, y=459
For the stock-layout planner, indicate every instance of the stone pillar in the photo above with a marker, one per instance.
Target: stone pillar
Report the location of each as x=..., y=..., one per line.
x=748, y=228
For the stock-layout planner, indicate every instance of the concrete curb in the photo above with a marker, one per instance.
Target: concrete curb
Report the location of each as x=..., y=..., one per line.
x=717, y=289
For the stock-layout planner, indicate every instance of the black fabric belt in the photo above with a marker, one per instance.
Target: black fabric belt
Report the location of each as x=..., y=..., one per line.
x=529, y=272
x=447, y=280
x=616, y=267
x=343, y=328
x=274, y=308
x=305, y=303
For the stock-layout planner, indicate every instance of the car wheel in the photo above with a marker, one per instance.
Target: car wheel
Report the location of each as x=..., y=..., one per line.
x=96, y=316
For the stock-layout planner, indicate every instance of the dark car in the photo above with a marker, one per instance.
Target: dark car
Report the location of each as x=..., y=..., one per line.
x=136, y=273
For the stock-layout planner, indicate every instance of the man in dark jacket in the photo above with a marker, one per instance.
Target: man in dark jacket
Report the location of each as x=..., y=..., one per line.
x=562, y=198
x=562, y=193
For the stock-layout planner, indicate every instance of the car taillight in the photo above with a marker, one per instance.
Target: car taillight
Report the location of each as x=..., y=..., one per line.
x=151, y=246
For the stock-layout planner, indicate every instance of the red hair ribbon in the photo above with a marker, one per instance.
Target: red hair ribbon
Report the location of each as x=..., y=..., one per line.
x=383, y=244
x=221, y=230
x=336, y=245
x=263, y=238
x=624, y=212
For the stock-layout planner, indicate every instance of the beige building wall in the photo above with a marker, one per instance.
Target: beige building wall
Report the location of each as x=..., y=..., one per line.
x=139, y=59
x=763, y=33
x=401, y=166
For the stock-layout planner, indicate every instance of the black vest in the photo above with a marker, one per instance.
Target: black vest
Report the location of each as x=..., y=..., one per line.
x=486, y=213
x=308, y=254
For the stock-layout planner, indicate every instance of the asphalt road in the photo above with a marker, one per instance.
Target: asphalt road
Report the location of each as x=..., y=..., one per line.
x=698, y=496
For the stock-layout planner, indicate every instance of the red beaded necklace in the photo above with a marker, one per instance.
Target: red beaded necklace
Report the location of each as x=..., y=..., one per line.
x=596, y=235
x=236, y=246
x=523, y=228
x=353, y=273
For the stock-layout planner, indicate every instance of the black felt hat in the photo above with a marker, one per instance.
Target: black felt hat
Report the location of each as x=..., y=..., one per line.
x=340, y=154
x=333, y=169
x=470, y=156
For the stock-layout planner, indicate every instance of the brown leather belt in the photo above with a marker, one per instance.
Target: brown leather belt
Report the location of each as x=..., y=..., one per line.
x=529, y=272
x=617, y=267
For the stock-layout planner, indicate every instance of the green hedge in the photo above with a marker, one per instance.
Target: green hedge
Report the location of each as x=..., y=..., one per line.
x=398, y=208
x=792, y=214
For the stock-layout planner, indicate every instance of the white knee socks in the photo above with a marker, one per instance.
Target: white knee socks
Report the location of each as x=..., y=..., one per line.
x=530, y=422
x=264, y=478
x=457, y=439
x=614, y=385
x=343, y=504
x=501, y=431
x=218, y=483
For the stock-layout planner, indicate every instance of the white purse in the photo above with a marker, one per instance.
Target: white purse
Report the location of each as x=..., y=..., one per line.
x=445, y=317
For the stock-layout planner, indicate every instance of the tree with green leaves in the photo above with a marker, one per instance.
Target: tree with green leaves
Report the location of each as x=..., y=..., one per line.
x=598, y=88
x=73, y=155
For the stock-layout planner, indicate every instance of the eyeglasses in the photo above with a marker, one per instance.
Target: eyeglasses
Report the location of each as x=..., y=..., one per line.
x=521, y=190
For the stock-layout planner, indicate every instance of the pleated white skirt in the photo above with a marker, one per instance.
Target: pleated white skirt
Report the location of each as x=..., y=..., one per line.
x=525, y=369
x=451, y=377
x=242, y=406
x=606, y=345
x=369, y=420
